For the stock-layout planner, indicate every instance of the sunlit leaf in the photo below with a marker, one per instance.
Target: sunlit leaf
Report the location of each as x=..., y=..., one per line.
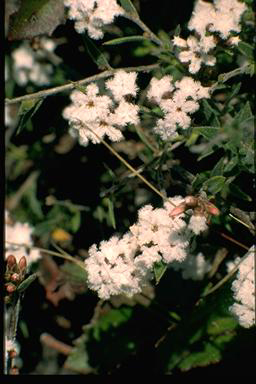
x=122, y=40
x=27, y=109
x=129, y=7
x=26, y=283
x=159, y=270
x=215, y=184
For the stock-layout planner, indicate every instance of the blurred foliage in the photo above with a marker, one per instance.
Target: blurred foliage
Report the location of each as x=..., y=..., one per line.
x=76, y=196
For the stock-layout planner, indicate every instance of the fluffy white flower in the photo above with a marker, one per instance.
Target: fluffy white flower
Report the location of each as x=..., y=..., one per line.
x=166, y=128
x=202, y=17
x=26, y=66
x=191, y=88
x=126, y=113
x=193, y=267
x=197, y=224
x=244, y=291
x=159, y=87
x=92, y=15
x=178, y=107
x=122, y=84
x=21, y=235
x=196, y=53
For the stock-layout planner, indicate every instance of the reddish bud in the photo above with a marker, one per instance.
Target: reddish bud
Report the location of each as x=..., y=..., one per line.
x=10, y=288
x=11, y=261
x=23, y=263
x=213, y=210
x=178, y=210
x=15, y=277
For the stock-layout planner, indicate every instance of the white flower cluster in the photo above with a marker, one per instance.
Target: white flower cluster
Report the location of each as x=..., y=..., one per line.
x=244, y=291
x=177, y=101
x=222, y=17
x=29, y=65
x=193, y=267
x=102, y=114
x=124, y=265
x=19, y=234
x=92, y=15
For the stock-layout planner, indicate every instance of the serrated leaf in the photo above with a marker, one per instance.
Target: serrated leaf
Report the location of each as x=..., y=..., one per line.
x=26, y=283
x=122, y=40
x=206, y=131
x=244, y=114
x=159, y=271
x=35, y=18
x=215, y=184
x=208, y=109
x=96, y=55
x=220, y=325
x=129, y=7
x=74, y=273
x=27, y=109
x=209, y=355
x=246, y=49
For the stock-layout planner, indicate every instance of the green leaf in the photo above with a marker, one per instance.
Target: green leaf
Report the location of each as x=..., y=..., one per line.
x=78, y=359
x=219, y=167
x=27, y=109
x=35, y=18
x=112, y=319
x=215, y=184
x=33, y=202
x=74, y=272
x=75, y=222
x=231, y=164
x=96, y=55
x=159, y=271
x=220, y=325
x=244, y=114
x=26, y=283
x=129, y=7
x=122, y=40
x=209, y=355
x=208, y=109
x=246, y=49
x=111, y=214
x=236, y=191
x=206, y=131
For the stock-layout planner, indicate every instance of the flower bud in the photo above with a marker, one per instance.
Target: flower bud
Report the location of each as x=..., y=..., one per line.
x=15, y=277
x=23, y=263
x=10, y=288
x=11, y=261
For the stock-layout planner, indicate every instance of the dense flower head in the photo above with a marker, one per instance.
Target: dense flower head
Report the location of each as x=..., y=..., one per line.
x=123, y=265
x=27, y=65
x=92, y=115
x=177, y=100
x=92, y=15
x=244, y=291
x=193, y=267
x=17, y=236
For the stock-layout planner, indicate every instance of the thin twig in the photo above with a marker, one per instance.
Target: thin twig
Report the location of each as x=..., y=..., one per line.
x=70, y=86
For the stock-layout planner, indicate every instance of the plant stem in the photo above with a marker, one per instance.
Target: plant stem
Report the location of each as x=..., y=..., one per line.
x=70, y=86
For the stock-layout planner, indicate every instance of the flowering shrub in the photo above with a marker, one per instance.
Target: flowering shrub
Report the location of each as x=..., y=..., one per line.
x=129, y=215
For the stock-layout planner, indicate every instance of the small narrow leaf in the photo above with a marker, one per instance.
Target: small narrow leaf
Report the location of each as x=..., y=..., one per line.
x=159, y=271
x=215, y=184
x=97, y=56
x=26, y=283
x=111, y=214
x=129, y=7
x=246, y=49
x=207, y=132
x=218, y=169
x=27, y=109
x=127, y=39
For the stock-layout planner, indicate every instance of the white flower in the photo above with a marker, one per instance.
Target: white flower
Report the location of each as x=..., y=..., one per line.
x=92, y=15
x=159, y=87
x=122, y=84
x=244, y=291
x=101, y=128
x=17, y=236
x=197, y=224
x=26, y=67
x=227, y=17
x=111, y=270
x=166, y=128
x=202, y=17
x=193, y=267
x=178, y=107
x=191, y=88
x=126, y=113
x=196, y=53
